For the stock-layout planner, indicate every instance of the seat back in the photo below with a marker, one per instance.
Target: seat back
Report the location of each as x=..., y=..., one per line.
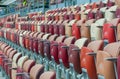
x=108, y=33
x=104, y=67
x=117, y=2
x=69, y=40
x=87, y=62
x=14, y=64
x=76, y=29
x=46, y=36
x=81, y=42
x=54, y=49
x=47, y=48
x=12, y=54
x=68, y=29
x=85, y=31
x=36, y=71
x=117, y=13
x=95, y=31
x=74, y=58
x=63, y=53
x=21, y=61
x=48, y=75
x=111, y=50
x=28, y=65
x=109, y=15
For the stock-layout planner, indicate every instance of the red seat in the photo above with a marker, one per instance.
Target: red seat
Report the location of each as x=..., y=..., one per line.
x=54, y=48
x=76, y=29
x=108, y=33
x=87, y=61
x=62, y=53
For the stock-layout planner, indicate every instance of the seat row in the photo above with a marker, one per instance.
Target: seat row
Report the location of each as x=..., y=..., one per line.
x=73, y=58
x=18, y=66
x=93, y=29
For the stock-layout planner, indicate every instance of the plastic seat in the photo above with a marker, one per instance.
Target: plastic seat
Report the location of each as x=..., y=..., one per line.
x=20, y=63
x=48, y=75
x=47, y=46
x=85, y=29
x=104, y=59
x=109, y=15
x=36, y=71
x=26, y=67
x=76, y=28
x=41, y=44
x=117, y=2
x=96, y=29
x=14, y=64
x=109, y=32
x=87, y=62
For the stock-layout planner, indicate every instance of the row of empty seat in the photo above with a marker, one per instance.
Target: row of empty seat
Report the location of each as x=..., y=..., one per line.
x=78, y=42
x=18, y=66
x=64, y=54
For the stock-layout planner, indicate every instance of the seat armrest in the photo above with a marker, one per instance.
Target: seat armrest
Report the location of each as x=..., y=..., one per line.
x=47, y=42
x=92, y=54
x=19, y=74
x=41, y=40
x=88, y=26
x=65, y=47
x=100, y=26
x=113, y=59
x=55, y=44
x=22, y=73
x=8, y=64
x=75, y=49
x=113, y=27
x=112, y=11
x=13, y=68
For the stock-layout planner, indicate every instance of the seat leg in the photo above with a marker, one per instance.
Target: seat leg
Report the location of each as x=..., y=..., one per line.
x=58, y=72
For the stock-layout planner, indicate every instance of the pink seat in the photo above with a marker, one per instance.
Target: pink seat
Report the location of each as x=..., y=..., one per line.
x=48, y=75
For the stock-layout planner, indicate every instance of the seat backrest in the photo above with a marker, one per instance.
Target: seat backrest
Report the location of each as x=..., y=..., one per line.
x=104, y=67
x=95, y=32
x=46, y=36
x=117, y=13
x=87, y=62
x=40, y=35
x=12, y=54
x=36, y=71
x=28, y=65
x=96, y=45
x=109, y=15
x=85, y=31
x=60, y=39
x=21, y=61
x=108, y=32
x=5, y=48
x=9, y=51
x=48, y=75
x=16, y=57
x=113, y=49
x=81, y=42
x=52, y=37
x=74, y=58
x=117, y=2
x=69, y=40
